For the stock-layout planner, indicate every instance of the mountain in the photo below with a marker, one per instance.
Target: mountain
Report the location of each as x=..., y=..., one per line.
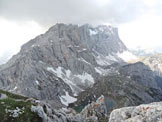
x=154, y=62
x=16, y=108
x=58, y=65
x=143, y=52
x=128, y=85
x=141, y=74
x=78, y=73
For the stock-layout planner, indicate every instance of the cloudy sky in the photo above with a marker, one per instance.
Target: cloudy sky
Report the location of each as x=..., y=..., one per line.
x=139, y=21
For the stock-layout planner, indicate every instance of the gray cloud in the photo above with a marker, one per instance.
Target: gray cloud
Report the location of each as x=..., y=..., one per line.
x=48, y=12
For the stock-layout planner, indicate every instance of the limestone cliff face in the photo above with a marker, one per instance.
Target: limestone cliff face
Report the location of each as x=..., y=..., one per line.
x=64, y=61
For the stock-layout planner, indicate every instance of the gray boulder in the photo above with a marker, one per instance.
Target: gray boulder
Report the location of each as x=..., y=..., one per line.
x=143, y=113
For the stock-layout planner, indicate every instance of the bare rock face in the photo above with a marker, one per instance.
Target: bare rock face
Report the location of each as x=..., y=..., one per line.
x=143, y=113
x=154, y=62
x=94, y=112
x=64, y=61
x=120, y=90
x=140, y=73
x=96, y=109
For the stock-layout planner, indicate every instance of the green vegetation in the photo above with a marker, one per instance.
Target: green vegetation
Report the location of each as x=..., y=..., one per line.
x=16, y=109
x=78, y=109
x=103, y=119
x=14, y=96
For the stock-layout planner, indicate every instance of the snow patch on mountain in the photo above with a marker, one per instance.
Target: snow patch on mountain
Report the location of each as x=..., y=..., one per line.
x=37, y=82
x=111, y=57
x=57, y=71
x=64, y=76
x=97, y=69
x=70, y=79
x=106, y=60
x=83, y=60
x=102, y=61
x=85, y=77
x=102, y=71
x=67, y=99
x=92, y=32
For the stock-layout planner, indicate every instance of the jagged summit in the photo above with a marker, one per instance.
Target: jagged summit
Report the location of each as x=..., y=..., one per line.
x=62, y=62
x=93, y=37
x=73, y=66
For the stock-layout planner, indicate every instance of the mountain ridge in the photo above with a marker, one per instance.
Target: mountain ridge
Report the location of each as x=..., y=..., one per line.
x=81, y=72
x=67, y=58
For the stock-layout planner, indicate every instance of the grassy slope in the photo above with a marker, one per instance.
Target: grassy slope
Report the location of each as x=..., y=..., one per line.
x=16, y=101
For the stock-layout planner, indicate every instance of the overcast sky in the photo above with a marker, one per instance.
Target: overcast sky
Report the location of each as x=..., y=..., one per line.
x=139, y=21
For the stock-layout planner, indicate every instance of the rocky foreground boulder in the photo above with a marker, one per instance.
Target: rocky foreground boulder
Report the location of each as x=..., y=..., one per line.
x=143, y=113
x=93, y=112
x=16, y=108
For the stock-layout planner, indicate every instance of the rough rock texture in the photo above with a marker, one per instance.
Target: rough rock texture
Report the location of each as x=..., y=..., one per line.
x=16, y=108
x=119, y=90
x=66, y=59
x=143, y=113
x=94, y=112
x=141, y=74
x=154, y=61
x=96, y=109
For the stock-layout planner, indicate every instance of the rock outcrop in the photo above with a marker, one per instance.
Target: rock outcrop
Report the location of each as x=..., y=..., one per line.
x=154, y=61
x=143, y=113
x=61, y=63
x=119, y=90
x=16, y=108
x=154, y=64
x=93, y=112
x=77, y=74
x=141, y=74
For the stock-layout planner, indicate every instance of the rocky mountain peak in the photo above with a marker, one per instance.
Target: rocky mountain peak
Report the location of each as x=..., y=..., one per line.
x=74, y=66
x=62, y=62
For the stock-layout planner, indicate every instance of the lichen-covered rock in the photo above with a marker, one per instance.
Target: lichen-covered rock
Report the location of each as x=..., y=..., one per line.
x=143, y=113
